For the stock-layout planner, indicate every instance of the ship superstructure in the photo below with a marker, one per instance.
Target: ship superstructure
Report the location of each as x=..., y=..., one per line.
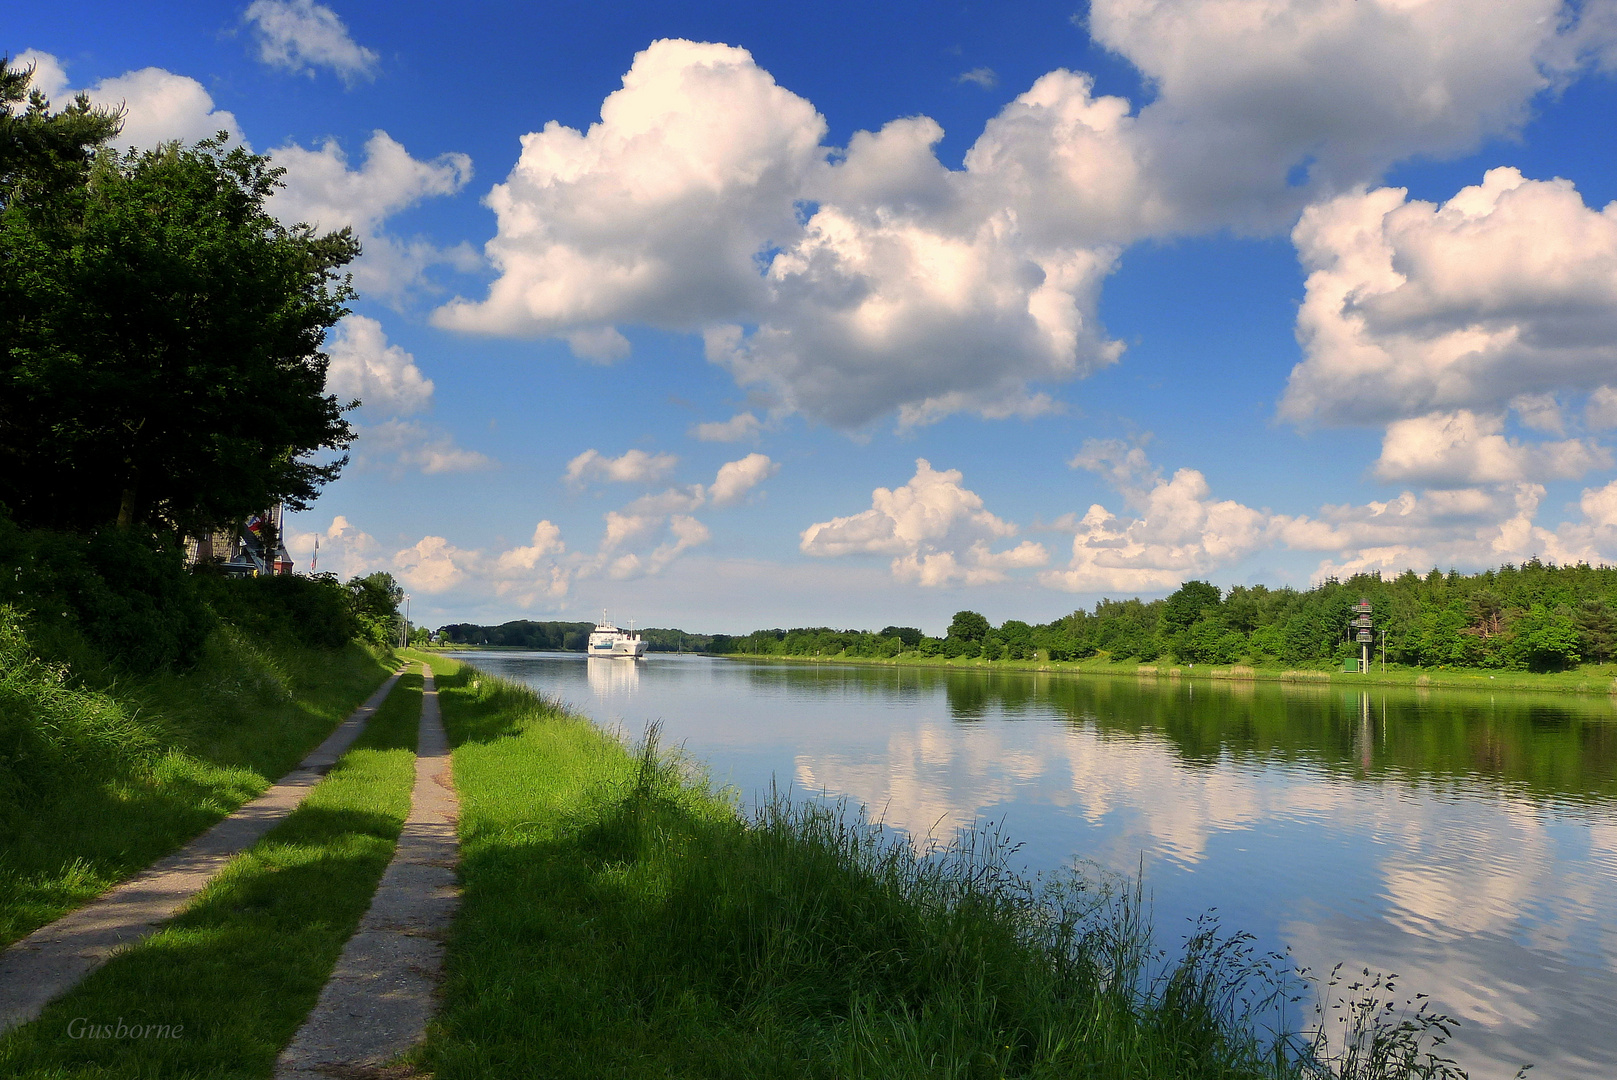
x=609, y=641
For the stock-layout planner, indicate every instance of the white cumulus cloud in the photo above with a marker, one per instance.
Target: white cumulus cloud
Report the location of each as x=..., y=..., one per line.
x=937, y=531
x=1507, y=289
x=1464, y=448
x=1262, y=106
x=300, y=36
x=1601, y=412
x=340, y=549
x=654, y=214
x=433, y=564
x=1178, y=531
x=850, y=283
x=398, y=446
x=685, y=532
x=703, y=200
x=383, y=377
x=736, y=478
x=158, y=106
x=633, y=467
x=323, y=191
x=740, y=427
x=664, y=516
x=523, y=575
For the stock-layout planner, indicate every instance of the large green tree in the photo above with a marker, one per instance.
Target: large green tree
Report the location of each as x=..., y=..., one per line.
x=968, y=626
x=162, y=337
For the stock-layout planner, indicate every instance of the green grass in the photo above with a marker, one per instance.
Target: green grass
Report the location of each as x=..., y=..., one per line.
x=119, y=775
x=237, y=972
x=621, y=920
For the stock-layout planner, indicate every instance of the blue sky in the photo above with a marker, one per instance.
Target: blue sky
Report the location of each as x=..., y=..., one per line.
x=737, y=315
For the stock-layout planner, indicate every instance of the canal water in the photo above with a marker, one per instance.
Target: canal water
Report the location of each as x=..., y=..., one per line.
x=1465, y=841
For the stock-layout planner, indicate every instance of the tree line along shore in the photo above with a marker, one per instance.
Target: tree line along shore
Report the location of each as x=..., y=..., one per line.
x=1533, y=626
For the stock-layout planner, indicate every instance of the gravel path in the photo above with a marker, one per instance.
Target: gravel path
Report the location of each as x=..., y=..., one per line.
x=47, y=963
x=381, y=995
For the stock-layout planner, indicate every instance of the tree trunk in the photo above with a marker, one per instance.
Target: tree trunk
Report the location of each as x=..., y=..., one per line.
x=126, y=506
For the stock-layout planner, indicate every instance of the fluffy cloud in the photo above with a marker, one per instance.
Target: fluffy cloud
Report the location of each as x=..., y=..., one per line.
x=323, y=191
x=433, y=565
x=875, y=310
x=897, y=287
x=408, y=445
x=1463, y=448
x=739, y=427
x=1541, y=412
x=601, y=344
x=383, y=377
x=1507, y=289
x=1261, y=106
x=339, y=549
x=320, y=188
x=656, y=213
x=1599, y=506
x=524, y=575
x=849, y=283
x=685, y=533
x=1402, y=528
x=546, y=541
x=732, y=483
x=736, y=478
x=300, y=35
x=1602, y=409
x=1470, y=528
x=661, y=516
x=158, y=106
x=1178, y=532
x=936, y=530
x=634, y=467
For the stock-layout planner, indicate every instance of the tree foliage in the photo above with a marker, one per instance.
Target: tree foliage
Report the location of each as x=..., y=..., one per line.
x=45, y=155
x=375, y=600
x=1536, y=617
x=162, y=332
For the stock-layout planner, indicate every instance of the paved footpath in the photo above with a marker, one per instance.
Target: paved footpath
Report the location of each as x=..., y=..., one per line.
x=381, y=995
x=47, y=963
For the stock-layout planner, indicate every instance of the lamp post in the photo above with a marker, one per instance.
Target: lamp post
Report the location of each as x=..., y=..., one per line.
x=406, y=644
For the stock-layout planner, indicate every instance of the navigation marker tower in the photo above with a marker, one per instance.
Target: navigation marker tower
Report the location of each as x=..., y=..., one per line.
x=1362, y=633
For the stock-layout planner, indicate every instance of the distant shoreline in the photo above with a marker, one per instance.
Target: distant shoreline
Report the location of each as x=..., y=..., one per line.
x=1589, y=679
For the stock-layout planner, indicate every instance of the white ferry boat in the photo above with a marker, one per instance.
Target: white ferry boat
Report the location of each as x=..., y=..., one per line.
x=607, y=640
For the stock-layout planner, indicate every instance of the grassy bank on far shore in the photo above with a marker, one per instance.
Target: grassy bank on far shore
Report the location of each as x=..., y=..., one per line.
x=108, y=776
x=622, y=920
x=1588, y=679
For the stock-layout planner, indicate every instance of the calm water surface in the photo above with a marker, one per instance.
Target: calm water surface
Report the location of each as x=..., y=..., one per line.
x=1465, y=841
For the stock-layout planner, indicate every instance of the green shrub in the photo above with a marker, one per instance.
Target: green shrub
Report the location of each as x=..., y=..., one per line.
x=118, y=596
x=313, y=611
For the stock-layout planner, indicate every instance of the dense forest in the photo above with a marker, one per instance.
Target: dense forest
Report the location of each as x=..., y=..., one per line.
x=1533, y=617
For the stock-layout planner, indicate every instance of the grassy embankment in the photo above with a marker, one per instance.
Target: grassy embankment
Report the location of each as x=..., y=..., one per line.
x=1587, y=679
x=620, y=919
x=103, y=775
x=236, y=973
